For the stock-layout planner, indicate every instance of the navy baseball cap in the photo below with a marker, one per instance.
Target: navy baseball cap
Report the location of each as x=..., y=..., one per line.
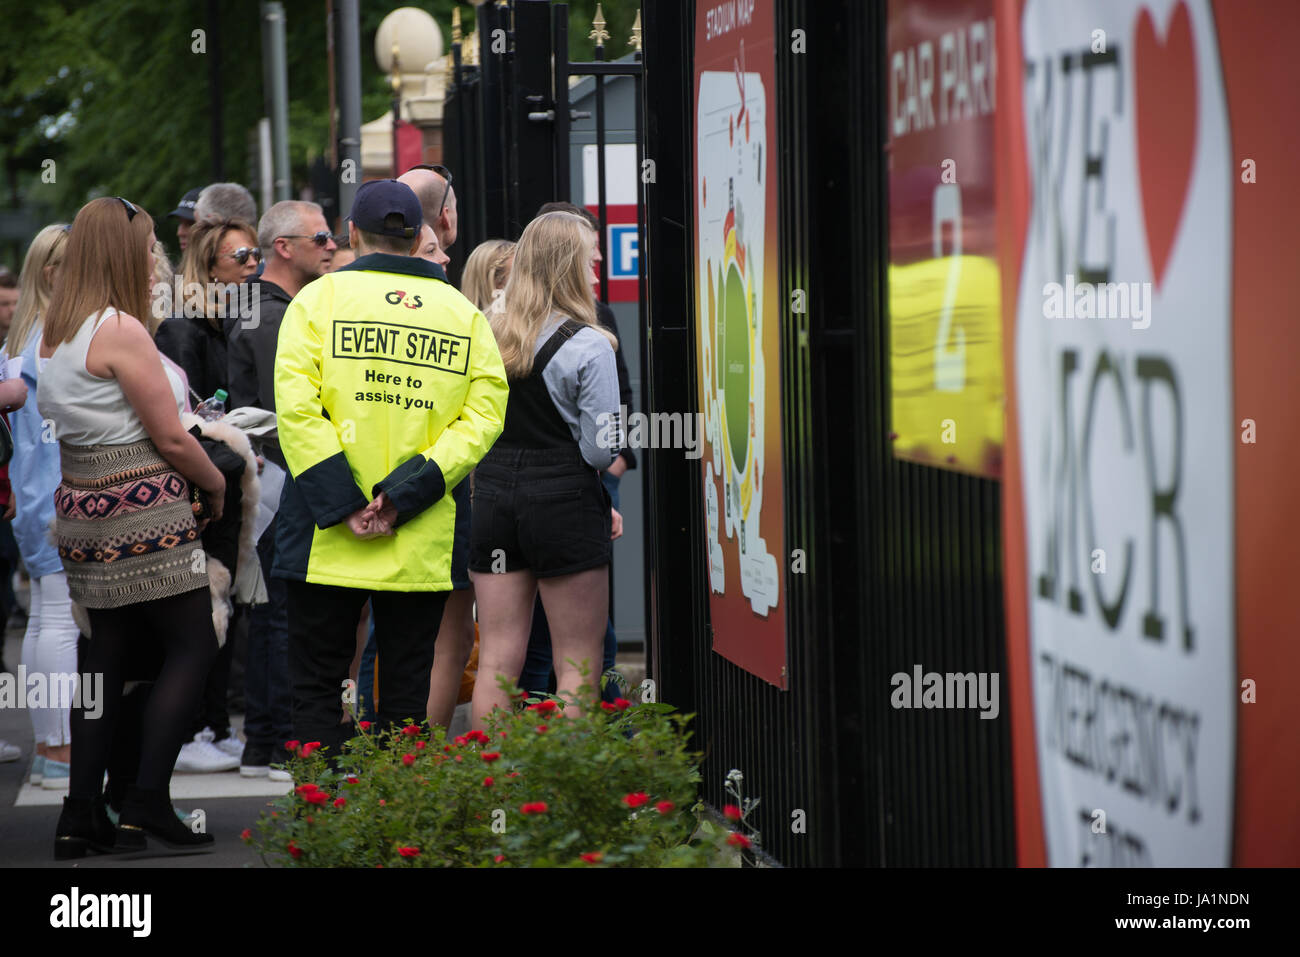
x=185, y=208
x=387, y=207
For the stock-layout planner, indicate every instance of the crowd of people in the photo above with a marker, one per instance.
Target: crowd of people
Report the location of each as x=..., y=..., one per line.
x=407, y=474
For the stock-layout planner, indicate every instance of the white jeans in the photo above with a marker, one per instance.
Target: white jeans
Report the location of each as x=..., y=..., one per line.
x=50, y=647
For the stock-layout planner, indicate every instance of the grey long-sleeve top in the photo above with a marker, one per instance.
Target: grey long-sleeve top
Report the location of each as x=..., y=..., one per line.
x=582, y=379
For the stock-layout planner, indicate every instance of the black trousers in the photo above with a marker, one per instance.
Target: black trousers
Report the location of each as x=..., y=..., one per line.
x=322, y=642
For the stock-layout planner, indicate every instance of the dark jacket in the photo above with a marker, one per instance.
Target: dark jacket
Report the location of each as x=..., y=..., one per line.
x=605, y=316
x=198, y=348
x=251, y=358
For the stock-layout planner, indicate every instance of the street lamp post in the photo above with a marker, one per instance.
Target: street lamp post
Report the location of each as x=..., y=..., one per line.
x=396, y=82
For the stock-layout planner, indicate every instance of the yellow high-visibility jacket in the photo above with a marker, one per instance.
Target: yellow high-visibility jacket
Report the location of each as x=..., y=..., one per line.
x=388, y=380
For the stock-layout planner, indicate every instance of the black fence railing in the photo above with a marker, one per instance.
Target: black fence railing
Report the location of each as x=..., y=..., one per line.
x=903, y=561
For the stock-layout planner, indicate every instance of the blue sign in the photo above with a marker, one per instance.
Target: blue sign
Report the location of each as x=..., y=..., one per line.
x=623, y=251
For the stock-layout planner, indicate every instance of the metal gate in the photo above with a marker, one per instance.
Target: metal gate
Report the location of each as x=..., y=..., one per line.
x=904, y=562
x=509, y=124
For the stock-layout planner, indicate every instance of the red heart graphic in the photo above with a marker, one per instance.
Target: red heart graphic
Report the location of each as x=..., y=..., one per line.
x=1165, y=90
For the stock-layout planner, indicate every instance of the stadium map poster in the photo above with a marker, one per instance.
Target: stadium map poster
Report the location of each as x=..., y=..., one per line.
x=737, y=340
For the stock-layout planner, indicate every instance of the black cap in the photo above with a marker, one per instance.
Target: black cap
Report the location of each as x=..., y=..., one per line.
x=185, y=208
x=387, y=207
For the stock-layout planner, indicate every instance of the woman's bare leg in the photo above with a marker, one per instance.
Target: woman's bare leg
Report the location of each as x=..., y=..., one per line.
x=450, y=655
x=577, y=607
x=505, y=614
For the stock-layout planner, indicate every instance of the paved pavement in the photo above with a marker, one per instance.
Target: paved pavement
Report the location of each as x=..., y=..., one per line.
x=28, y=815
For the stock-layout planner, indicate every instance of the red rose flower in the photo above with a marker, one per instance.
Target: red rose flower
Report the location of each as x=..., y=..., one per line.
x=502, y=733
x=306, y=789
x=446, y=747
x=487, y=782
x=731, y=812
x=543, y=706
x=513, y=774
x=419, y=745
x=291, y=746
x=498, y=859
x=340, y=802
x=636, y=800
x=247, y=835
x=459, y=758
x=352, y=779
x=315, y=797
x=533, y=807
x=410, y=729
x=490, y=756
x=383, y=803
x=663, y=807
x=365, y=725
x=541, y=728
x=592, y=857
x=409, y=851
x=461, y=740
x=308, y=748
x=294, y=850
x=408, y=759
x=622, y=704
x=606, y=706
x=310, y=819
x=478, y=736
x=738, y=840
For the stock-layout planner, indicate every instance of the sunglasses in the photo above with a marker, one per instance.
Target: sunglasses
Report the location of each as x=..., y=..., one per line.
x=321, y=238
x=241, y=254
x=130, y=210
x=445, y=174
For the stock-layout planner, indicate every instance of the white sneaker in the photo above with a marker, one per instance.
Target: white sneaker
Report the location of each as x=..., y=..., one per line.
x=201, y=756
x=231, y=745
x=9, y=752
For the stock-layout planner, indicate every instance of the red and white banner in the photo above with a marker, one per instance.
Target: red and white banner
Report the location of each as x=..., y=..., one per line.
x=1145, y=186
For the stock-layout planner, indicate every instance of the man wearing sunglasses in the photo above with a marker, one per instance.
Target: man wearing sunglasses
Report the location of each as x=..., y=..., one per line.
x=432, y=186
x=298, y=248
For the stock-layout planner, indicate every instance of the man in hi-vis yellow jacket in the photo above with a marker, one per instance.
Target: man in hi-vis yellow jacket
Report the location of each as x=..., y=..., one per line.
x=388, y=389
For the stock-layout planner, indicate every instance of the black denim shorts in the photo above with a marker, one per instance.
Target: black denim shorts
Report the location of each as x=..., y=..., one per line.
x=545, y=510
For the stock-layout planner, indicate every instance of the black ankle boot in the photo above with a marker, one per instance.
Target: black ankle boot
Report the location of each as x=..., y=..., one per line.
x=83, y=826
x=150, y=812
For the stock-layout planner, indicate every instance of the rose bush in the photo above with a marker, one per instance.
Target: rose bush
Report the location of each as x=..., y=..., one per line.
x=604, y=788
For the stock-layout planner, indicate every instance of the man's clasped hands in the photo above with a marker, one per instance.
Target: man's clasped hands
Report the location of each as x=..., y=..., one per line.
x=377, y=518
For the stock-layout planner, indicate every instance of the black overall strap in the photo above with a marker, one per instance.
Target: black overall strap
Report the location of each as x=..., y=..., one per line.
x=568, y=329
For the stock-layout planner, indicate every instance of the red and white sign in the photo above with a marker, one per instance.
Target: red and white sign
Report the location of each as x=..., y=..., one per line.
x=1141, y=261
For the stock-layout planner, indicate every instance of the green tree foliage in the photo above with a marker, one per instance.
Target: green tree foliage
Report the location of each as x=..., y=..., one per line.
x=117, y=96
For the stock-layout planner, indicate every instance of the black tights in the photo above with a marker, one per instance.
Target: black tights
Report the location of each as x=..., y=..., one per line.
x=178, y=632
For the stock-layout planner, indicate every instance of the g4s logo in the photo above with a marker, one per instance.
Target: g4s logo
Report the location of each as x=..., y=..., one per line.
x=397, y=295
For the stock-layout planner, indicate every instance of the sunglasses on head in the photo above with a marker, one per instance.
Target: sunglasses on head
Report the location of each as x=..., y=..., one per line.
x=445, y=174
x=130, y=209
x=321, y=238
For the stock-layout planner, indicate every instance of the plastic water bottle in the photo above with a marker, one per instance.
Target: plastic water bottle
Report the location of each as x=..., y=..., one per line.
x=214, y=408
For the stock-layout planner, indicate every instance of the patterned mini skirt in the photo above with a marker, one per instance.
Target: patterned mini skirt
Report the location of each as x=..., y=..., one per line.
x=124, y=526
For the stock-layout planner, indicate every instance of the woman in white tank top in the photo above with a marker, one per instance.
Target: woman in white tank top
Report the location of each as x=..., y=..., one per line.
x=125, y=529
